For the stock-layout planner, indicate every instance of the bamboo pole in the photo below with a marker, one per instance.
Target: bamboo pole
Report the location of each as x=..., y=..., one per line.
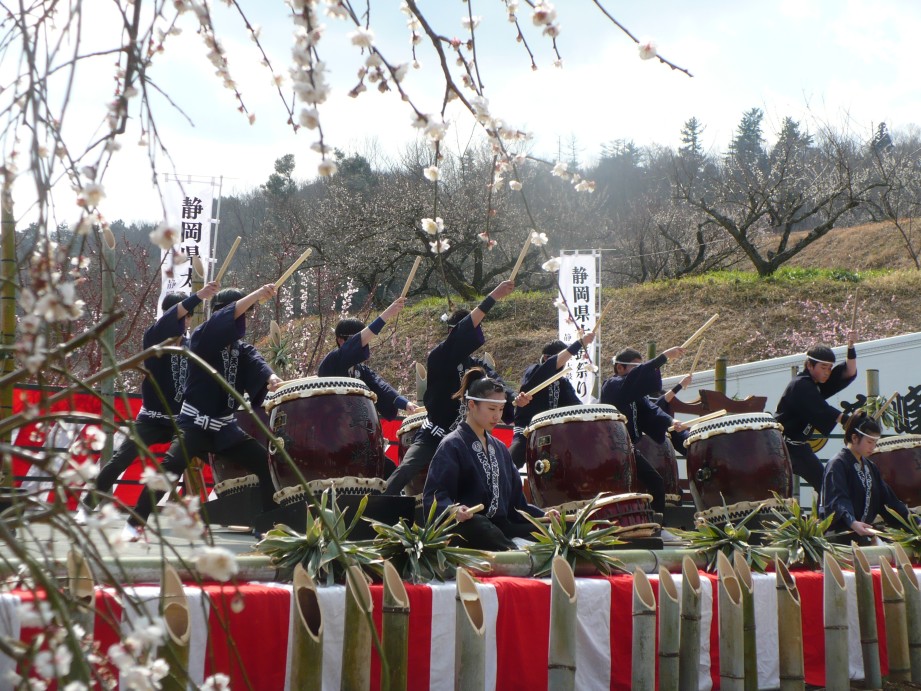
x=896, y=624
x=307, y=646
x=879, y=413
x=835, y=615
x=174, y=608
x=643, y=667
x=866, y=617
x=747, y=586
x=470, y=636
x=561, y=661
x=356, y=639
x=107, y=343
x=789, y=631
x=731, y=626
x=912, y=614
x=689, y=650
x=412, y=275
x=669, y=630
x=395, y=630
x=421, y=383
x=7, y=309
x=82, y=589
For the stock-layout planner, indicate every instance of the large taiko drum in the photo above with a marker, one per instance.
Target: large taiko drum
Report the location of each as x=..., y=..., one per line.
x=575, y=452
x=229, y=475
x=738, y=458
x=664, y=460
x=405, y=435
x=899, y=462
x=329, y=427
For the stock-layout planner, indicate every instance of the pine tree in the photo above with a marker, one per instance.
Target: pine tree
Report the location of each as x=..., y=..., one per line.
x=747, y=147
x=691, y=146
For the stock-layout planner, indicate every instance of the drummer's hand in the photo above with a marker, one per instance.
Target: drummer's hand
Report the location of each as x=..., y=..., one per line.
x=862, y=528
x=522, y=399
x=411, y=407
x=686, y=382
x=851, y=338
x=673, y=353
x=266, y=292
x=678, y=426
x=503, y=289
x=462, y=513
x=588, y=338
x=394, y=309
x=208, y=291
x=552, y=513
x=274, y=382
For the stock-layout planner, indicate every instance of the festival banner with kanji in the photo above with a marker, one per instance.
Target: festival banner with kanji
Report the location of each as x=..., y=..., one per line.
x=188, y=209
x=579, y=287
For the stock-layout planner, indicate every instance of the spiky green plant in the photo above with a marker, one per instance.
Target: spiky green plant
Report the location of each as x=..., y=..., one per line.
x=909, y=535
x=423, y=553
x=804, y=535
x=888, y=418
x=324, y=552
x=711, y=538
x=576, y=539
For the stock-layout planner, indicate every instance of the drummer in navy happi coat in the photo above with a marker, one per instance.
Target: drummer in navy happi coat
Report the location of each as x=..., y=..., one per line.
x=852, y=487
x=664, y=403
x=802, y=407
x=628, y=389
x=352, y=339
x=471, y=467
x=206, y=418
x=445, y=366
x=559, y=394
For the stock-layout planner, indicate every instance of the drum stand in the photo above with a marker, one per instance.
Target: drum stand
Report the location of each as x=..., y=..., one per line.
x=242, y=507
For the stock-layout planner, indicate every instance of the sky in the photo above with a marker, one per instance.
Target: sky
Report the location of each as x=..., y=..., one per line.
x=848, y=63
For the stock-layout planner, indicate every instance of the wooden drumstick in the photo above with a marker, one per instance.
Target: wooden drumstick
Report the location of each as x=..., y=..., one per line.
x=854, y=315
x=291, y=269
x=470, y=509
x=703, y=418
x=601, y=316
x=696, y=359
x=412, y=275
x=547, y=382
x=521, y=256
x=879, y=413
x=226, y=264
x=699, y=331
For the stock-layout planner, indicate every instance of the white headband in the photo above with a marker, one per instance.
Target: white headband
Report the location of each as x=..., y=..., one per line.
x=621, y=362
x=864, y=434
x=824, y=362
x=483, y=400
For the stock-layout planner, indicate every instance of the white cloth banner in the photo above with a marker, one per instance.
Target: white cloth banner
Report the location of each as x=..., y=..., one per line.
x=578, y=285
x=188, y=210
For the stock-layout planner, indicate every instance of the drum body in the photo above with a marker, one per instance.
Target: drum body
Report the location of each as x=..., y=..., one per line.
x=405, y=435
x=899, y=462
x=228, y=474
x=738, y=458
x=663, y=458
x=330, y=428
x=576, y=452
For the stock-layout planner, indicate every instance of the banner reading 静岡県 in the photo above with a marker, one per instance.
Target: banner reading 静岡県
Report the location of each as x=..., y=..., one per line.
x=578, y=279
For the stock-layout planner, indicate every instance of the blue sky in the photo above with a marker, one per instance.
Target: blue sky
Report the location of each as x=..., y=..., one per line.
x=845, y=62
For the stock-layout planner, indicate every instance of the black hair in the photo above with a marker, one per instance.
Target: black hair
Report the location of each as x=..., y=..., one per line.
x=225, y=297
x=821, y=353
x=477, y=384
x=457, y=316
x=349, y=327
x=861, y=424
x=628, y=355
x=553, y=348
x=171, y=299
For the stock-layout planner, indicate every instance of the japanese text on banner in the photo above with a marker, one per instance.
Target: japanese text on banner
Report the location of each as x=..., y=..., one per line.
x=578, y=283
x=188, y=208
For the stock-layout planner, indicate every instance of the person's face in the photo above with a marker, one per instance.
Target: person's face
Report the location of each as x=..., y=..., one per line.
x=863, y=446
x=819, y=371
x=624, y=369
x=487, y=415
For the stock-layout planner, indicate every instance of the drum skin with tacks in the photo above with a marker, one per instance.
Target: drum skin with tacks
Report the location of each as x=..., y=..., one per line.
x=664, y=460
x=738, y=458
x=576, y=452
x=330, y=428
x=405, y=434
x=899, y=462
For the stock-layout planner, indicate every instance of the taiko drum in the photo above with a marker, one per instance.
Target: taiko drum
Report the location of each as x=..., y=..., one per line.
x=664, y=460
x=225, y=469
x=899, y=462
x=405, y=435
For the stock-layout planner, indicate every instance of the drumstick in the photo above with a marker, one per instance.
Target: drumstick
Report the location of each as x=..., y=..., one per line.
x=226, y=264
x=702, y=418
x=412, y=275
x=854, y=316
x=471, y=509
x=291, y=269
x=547, y=382
x=879, y=413
x=699, y=331
x=603, y=312
x=521, y=256
x=696, y=359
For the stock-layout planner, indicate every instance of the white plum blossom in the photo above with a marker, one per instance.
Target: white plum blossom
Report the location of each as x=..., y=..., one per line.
x=216, y=682
x=146, y=633
x=585, y=186
x=538, y=239
x=647, y=49
x=105, y=517
x=486, y=240
x=91, y=194
x=327, y=168
x=435, y=129
x=433, y=227
x=59, y=304
x=551, y=265
x=217, y=563
x=362, y=37
x=35, y=615
x=514, y=185
x=440, y=246
x=560, y=171
x=184, y=519
x=471, y=23
x=76, y=686
x=544, y=13
x=79, y=473
x=560, y=304
x=432, y=173
x=157, y=481
x=165, y=236
x=309, y=118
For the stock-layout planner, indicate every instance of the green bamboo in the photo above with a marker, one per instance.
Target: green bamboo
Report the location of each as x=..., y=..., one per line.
x=7, y=307
x=174, y=608
x=356, y=639
x=731, y=628
x=420, y=381
x=719, y=374
x=746, y=584
x=866, y=615
x=107, y=340
x=896, y=624
x=470, y=636
x=307, y=646
x=561, y=661
x=689, y=653
x=789, y=631
x=82, y=589
x=669, y=630
x=912, y=610
x=643, y=667
x=395, y=637
x=835, y=615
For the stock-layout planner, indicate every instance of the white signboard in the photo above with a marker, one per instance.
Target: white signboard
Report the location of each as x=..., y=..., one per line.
x=188, y=209
x=579, y=286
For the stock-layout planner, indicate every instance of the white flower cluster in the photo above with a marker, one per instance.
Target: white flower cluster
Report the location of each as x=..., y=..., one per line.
x=157, y=481
x=434, y=227
x=647, y=49
x=579, y=183
x=545, y=16
x=217, y=563
x=184, y=519
x=486, y=240
x=135, y=657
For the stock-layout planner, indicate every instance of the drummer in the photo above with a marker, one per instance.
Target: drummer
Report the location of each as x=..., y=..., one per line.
x=471, y=467
x=445, y=365
x=206, y=418
x=628, y=389
x=560, y=393
x=802, y=406
x=852, y=487
x=352, y=339
x=664, y=402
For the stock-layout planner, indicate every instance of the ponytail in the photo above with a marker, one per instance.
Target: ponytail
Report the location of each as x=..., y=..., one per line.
x=860, y=424
x=476, y=384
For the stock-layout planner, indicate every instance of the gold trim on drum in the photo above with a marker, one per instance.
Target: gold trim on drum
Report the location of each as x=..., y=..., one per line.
x=411, y=423
x=235, y=484
x=575, y=413
x=738, y=511
x=317, y=386
x=902, y=441
x=732, y=423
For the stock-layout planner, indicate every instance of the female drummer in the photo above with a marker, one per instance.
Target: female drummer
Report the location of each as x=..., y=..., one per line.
x=472, y=467
x=852, y=487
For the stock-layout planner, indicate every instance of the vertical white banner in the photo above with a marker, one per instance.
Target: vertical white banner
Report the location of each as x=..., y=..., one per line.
x=578, y=284
x=188, y=209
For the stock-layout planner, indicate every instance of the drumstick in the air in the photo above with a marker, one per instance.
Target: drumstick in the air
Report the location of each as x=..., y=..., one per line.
x=601, y=316
x=856, y=302
x=702, y=418
x=226, y=264
x=879, y=413
x=521, y=256
x=696, y=358
x=291, y=269
x=412, y=275
x=547, y=382
x=699, y=331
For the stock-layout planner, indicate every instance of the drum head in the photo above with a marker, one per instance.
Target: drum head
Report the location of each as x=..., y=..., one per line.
x=317, y=386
